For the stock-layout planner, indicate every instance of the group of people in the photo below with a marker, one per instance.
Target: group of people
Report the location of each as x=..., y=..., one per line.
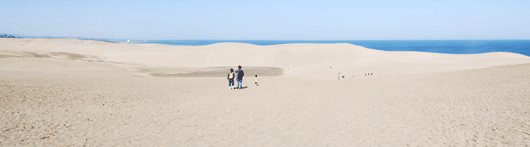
x=353, y=76
x=365, y=74
x=238, y=76
x=7, y=36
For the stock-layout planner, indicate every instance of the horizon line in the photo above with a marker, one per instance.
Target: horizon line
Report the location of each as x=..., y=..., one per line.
x=79, y=37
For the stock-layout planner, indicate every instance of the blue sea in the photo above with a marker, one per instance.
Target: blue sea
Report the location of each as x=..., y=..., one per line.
x=435, y=46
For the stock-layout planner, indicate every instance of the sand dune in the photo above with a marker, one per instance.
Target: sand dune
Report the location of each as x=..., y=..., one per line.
x=67, y=92
x=51, y=62
x=295, y=59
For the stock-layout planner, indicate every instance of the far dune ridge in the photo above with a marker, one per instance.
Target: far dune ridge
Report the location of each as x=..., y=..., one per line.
x=294, y=59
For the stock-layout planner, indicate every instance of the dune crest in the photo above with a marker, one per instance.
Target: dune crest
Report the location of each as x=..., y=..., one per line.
x=295, y=59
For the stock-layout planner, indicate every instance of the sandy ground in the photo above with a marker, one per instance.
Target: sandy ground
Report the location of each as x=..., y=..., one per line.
x=53, y=96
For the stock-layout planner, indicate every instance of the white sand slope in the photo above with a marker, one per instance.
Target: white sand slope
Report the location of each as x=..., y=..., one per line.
x=67, y=92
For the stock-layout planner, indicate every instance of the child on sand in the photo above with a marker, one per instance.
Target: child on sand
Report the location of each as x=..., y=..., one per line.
x=256, y=80
x=230, y=78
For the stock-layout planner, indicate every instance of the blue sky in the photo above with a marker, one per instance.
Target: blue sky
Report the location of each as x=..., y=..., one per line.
x=269, y=19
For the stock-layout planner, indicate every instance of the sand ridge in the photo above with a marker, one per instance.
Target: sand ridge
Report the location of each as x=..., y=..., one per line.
x=295, y=59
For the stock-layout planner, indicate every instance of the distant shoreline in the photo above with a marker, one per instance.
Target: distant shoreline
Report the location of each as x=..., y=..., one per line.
x=432, y=46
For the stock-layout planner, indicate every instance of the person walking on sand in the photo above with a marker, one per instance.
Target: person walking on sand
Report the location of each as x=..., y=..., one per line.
x=256, y=80
x=239, y=78
x=230, y=78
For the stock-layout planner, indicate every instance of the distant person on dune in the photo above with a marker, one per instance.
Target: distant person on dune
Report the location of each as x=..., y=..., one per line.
x=239, y=78
x=256, y=80
x=230, y=78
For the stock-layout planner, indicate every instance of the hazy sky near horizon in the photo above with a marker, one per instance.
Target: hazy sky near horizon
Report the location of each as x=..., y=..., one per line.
x=269, y=19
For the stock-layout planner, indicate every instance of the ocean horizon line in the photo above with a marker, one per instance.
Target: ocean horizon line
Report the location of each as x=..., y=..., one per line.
x=103, y=38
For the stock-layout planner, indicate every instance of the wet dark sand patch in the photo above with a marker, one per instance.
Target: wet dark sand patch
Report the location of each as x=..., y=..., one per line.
x=208, y=71
x=7, y=56
x=32, y=54
x=71, y=56
x=27, y=54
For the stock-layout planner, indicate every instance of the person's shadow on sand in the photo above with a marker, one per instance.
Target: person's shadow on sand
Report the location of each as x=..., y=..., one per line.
x=244, y=87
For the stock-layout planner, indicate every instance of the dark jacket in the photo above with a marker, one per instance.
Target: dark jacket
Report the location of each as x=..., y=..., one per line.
x=240, y=74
